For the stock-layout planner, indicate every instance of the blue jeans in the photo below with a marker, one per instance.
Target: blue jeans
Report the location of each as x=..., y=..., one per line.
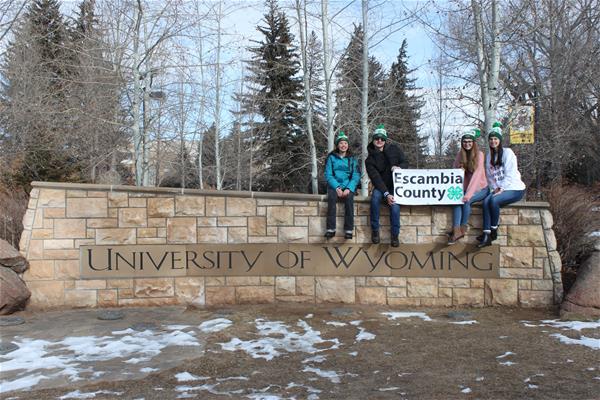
x=461, y=213
x=376, y=200
x=492, y=204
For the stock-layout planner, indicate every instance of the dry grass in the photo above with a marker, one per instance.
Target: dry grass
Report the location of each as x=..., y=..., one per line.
x=576, y=212
x=13, y=204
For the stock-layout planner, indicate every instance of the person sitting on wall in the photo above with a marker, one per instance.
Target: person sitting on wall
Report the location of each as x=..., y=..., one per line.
x=475, y=188
x=505, y=182
x=342, y=174
x=382, y=160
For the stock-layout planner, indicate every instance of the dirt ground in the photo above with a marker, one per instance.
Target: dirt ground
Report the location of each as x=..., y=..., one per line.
x=374, y=357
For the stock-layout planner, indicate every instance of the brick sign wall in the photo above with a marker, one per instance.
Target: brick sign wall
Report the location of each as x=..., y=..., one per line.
x=67, y=222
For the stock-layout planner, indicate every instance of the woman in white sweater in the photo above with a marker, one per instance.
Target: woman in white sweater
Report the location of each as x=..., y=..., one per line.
x=504, y=180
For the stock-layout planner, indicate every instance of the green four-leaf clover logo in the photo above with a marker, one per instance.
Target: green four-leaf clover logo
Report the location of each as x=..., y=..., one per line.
x=455, y=193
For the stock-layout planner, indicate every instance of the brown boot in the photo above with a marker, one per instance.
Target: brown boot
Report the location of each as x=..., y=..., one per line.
x=457, y=233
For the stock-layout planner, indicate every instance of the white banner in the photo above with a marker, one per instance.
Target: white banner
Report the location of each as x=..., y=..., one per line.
x=428, y=186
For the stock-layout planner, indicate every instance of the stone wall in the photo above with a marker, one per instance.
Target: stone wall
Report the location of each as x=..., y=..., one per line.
x=62, y=217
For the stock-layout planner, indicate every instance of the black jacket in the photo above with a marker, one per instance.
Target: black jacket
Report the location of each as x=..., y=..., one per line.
x=379, y=165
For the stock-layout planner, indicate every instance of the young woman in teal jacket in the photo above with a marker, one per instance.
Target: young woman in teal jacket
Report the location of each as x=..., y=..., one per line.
x=342, y=174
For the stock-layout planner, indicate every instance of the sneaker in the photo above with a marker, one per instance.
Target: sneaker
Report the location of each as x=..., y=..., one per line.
x=329, y=234
x=375, y=237
x=395, y=242
x=347, y=235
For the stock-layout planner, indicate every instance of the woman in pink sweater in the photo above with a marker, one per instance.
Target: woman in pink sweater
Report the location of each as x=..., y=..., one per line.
x=475, y=188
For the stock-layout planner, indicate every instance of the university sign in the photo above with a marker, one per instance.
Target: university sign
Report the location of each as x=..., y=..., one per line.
x=415, y=260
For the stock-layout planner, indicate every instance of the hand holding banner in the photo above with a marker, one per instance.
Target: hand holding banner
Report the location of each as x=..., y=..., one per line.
x=428, y=186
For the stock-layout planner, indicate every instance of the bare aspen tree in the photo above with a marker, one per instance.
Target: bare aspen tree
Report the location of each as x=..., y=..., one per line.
x=364, y=115
x=327, y=74
x=301, y=12
x=10, y=11
x=488, y=61
x=138, y=140
x=218, y=88
x=200, y=125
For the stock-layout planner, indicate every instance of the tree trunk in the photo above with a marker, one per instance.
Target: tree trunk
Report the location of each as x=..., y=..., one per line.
x=307, y=99
x=488, y=72
x=364, y=114
x=218, y=102
x=327, y=74
x=135, y=102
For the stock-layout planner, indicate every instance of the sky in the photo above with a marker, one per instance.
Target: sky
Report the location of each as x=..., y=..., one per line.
x=387, y=27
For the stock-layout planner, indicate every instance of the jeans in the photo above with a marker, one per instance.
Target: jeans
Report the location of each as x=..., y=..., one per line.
x=492, y=204
x=376, y=200
x=332, y=199
x=461, y=213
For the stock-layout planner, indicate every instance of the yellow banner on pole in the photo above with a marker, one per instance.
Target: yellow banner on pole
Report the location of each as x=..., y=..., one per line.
x=521, y=126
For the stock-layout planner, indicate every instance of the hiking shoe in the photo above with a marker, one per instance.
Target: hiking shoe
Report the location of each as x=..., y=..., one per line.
x=375, y=237
x=329, y=234
x=395, y=242
x=348, y=235
x=485, y=241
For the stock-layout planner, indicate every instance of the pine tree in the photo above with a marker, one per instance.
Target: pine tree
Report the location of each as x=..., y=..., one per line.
x=349, y=91
x=276, y=99
x=183, y=174
x=95, y=98
x=402, y=110
x=37, y=79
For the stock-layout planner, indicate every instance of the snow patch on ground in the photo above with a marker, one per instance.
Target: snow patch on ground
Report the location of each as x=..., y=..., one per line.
x=90, y=395
x=471, y=322
x=574, y=325
x=508, y=353
x=565, y=325
x=333, y=376
x=64, y=358
x=395, y=315
x=590, y=342
x=278, y=337
x=215, y=325
x=316, y=359
x=336, y=323
x=176, y=327
x=364, y=335
x=529, y=378
x=388, y=389
x=233, y=378
x=186, y=377
x=26, y=383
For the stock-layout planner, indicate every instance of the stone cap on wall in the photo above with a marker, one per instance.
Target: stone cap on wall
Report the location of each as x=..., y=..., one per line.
x=225, y=193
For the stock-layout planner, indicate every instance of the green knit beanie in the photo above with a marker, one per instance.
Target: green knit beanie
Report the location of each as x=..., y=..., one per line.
x=496, y=131
x=472, y=134
x=380, y=132
x=341, y=136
